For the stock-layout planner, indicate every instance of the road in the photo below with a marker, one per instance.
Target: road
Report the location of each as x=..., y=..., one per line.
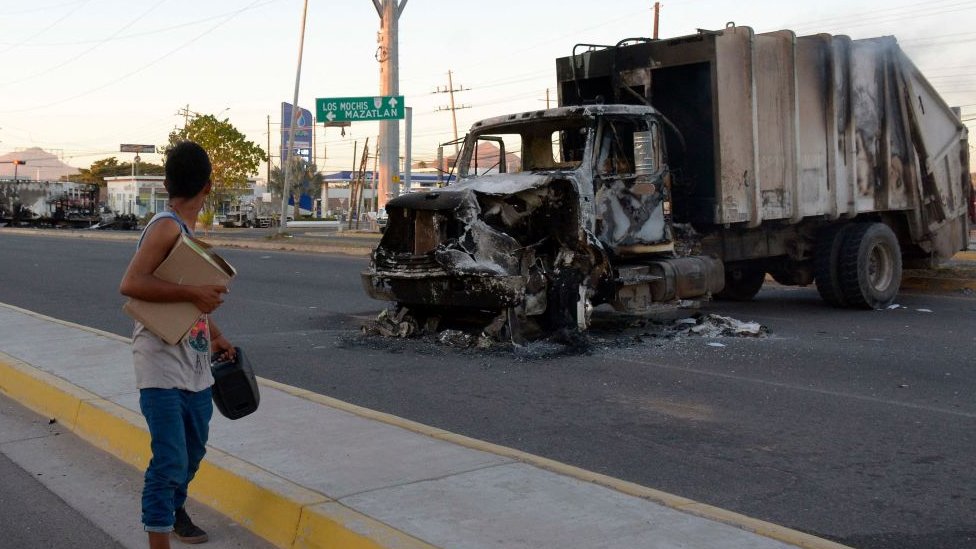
x=858, y=426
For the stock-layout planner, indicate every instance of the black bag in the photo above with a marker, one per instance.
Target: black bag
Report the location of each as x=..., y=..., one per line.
x=235, y=390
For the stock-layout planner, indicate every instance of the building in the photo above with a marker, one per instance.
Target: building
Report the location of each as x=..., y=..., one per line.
x=143, y=194
x=337, y=189
x=136, y=195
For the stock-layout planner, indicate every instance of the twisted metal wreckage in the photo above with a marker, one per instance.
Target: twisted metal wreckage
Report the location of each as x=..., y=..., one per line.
x=815, y=159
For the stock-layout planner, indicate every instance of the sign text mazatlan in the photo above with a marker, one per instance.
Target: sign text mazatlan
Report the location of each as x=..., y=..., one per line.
x=359, y=109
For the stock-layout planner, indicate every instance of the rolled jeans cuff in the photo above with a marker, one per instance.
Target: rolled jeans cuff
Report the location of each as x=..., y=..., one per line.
x=158, y=529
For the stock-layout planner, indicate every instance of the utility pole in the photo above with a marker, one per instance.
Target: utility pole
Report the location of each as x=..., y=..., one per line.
x=186, y=115
x=268, y=182
x=387, y=54
x=450, y=90
x=295, y=113
x=657, y=15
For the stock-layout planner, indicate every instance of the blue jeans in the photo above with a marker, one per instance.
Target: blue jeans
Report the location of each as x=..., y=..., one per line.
x=179, y=423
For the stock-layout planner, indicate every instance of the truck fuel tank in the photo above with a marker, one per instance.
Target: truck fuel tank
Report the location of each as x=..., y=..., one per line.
x=667, y=280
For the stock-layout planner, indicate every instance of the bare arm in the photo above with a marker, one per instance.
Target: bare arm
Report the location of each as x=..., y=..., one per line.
x=220, y=345
x=140, y=283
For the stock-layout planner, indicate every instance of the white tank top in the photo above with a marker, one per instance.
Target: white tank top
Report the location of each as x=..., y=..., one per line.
x=159, y=365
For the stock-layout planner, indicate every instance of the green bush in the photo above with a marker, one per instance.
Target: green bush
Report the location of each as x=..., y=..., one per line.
x=205, y=218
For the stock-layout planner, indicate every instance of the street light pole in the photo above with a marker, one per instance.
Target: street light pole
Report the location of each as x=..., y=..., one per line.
x=295, y=113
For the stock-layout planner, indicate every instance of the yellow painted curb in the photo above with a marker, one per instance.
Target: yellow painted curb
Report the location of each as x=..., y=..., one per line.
x=48, y=395
x=114, y=429
x=266, y=504
x=282, y=512
x=332, y=525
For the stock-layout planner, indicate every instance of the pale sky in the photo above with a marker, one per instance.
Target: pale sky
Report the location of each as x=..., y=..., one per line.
x=82, y=76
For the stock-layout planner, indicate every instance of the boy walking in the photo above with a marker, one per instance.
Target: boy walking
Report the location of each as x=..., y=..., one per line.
x=174, y=381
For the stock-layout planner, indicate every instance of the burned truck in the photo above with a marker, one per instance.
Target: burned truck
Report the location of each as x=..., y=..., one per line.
x=687, y=168
x=49, y=204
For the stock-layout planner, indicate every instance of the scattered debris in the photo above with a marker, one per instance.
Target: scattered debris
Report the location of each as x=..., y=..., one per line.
x=610, y=331
x=392, y=324
x=895, y=306
x=712, y=325
x=455, y=338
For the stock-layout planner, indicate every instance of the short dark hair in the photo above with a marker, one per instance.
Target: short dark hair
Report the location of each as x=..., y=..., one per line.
x=187, y=170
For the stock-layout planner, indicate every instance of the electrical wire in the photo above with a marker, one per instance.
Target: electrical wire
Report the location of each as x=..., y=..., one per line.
x=154, y=31
x=45, y=29
x=40, y=8
x=140, y=69
x=87, y=51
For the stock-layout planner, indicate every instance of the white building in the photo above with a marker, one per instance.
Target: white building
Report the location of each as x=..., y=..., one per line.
x=142, y=194
x=137, y=195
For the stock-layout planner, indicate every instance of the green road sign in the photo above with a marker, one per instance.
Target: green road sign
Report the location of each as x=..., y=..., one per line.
x=359, y=109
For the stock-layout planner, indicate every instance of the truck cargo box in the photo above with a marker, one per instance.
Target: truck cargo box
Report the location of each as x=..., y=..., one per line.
x=779, y=128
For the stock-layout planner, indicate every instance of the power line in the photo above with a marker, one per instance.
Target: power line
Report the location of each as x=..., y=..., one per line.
x=879, y=15
x=154, y=31
x=45, y=29
x=71, y=59
x=41, y=8
x=142, y=68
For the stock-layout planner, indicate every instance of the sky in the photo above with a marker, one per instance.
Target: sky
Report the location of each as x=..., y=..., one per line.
x=81, y=77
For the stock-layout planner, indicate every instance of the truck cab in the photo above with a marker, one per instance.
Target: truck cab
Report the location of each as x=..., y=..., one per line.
x=554, y=212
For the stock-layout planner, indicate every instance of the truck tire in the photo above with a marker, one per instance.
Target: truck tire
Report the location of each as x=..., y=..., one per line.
x=826, y=263
x=742, y=281
x=870, y=266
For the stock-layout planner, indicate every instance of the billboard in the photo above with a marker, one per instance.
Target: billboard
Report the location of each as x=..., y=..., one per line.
x=303, y=131
x=131, y=148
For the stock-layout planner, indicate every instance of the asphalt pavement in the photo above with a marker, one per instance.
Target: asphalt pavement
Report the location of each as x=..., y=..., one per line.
x=358, y=500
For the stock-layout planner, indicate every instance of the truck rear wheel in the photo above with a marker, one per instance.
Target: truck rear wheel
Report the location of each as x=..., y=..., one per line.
x=742, y=281
x=870, y=266
x=826, y=263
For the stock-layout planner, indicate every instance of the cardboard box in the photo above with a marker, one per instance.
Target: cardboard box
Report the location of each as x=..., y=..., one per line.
x=191, y=262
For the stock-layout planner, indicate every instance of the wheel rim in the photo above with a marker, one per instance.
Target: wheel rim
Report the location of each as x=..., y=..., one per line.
x=880, y=267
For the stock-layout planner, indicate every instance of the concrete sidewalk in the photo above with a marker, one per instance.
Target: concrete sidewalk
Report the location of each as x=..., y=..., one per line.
x=309, y=471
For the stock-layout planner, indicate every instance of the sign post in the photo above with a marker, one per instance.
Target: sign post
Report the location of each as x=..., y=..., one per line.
x=131, y=148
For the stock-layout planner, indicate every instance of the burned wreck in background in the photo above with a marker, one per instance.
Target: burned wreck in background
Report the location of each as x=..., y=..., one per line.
x=540, y=239
x=719, y=158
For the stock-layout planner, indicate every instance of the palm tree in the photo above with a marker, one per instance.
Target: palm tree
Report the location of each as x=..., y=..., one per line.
x=304, y=179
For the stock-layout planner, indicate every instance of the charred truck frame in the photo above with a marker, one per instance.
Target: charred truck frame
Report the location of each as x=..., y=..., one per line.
x=49, y=203
x=684, y=168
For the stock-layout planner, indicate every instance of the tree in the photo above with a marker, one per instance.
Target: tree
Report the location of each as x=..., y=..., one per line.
x=111, y=167
x=305, y=179
x=233, y=157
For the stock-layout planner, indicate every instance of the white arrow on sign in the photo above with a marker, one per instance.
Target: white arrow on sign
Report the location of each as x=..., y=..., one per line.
x=393, y=102
x=330, y=117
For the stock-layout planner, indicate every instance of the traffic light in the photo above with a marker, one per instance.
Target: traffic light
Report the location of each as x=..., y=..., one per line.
x=19, y=162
